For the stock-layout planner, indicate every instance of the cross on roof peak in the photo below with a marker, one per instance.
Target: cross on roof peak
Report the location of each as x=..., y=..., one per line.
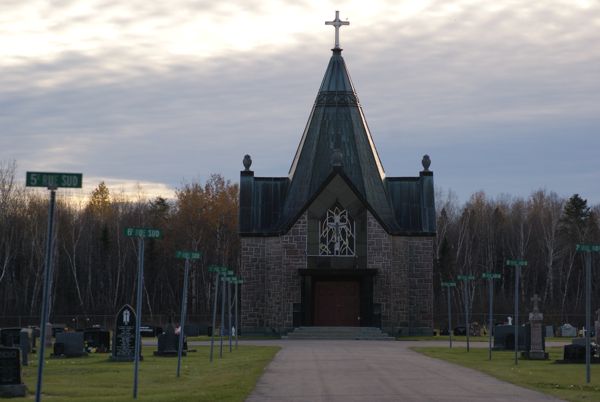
x=337, y=23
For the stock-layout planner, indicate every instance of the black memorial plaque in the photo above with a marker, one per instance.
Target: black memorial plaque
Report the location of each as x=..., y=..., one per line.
x=124, y=336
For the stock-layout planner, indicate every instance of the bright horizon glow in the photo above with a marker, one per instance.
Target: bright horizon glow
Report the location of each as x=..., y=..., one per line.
x=104, y=88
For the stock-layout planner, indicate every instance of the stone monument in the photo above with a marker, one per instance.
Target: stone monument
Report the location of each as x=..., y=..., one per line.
x=69, y=344
x=536, y=348
x=25, y=345
x=10, y=373
x=123, y=348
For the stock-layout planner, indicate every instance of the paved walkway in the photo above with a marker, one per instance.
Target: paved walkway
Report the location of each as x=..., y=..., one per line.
x=375, y=371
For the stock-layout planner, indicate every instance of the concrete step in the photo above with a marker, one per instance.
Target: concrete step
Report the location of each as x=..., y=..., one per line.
x=356, y=333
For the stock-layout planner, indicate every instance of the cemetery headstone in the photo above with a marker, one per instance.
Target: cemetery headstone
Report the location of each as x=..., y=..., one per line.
x=549, y=329
x=168, y=342
x=9, y=337
x=567, y=330
x=504, y=338
x=69, y=344
x=123, y=348
x=536, y=344
x=10, y=373
x=97, y=339
x=25, y=345
x=57, y=329
x=574, y=353
x=49, y=334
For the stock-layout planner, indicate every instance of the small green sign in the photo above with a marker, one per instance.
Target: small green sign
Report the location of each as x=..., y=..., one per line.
x=490, y=275
x=216, y=269
x=53, y=180
x=516, y=263
x=143, y=232
x=466, y=277
x=448, y=284
x=588, y=247
x=188, y=255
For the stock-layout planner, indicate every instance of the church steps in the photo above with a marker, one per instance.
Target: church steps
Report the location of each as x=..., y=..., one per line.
x=353, y=333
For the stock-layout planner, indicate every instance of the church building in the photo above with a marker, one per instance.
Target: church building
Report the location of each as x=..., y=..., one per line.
x=336, y=242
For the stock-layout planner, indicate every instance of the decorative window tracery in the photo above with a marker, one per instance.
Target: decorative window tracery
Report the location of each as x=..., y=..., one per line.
x=336, y=233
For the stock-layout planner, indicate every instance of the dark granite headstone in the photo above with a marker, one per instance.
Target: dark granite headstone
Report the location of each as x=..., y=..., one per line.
x=168, y=343
x=504, y=337
x=97, y=338
x=69, y=344
x=57, y=329
x=574, y=353
x=10, y=373
x=9, y=337
x=123, y=348
x=25, y=341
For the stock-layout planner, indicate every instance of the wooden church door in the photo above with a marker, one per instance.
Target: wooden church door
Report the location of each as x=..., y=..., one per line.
x=337, y=303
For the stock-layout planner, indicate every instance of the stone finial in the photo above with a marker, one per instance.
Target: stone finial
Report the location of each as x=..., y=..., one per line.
x=247, y=162
x=336, y=157
x=426, y=162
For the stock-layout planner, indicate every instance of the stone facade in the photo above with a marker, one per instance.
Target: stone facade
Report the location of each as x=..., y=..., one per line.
x=271, y=282
x=401, y=287
x=404, y=281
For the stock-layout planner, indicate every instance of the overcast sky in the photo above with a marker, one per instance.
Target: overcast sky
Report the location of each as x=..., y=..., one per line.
x=503, y=95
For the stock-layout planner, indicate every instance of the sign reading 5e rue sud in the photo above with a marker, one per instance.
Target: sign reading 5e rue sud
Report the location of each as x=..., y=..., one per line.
x=53, y=180
x=143, y=232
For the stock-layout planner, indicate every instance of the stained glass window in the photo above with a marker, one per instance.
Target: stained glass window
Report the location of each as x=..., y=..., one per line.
x=336, y=233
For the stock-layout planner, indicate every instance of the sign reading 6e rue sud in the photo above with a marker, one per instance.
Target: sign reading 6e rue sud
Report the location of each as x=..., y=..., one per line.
x=53, y=180
x=143, y=232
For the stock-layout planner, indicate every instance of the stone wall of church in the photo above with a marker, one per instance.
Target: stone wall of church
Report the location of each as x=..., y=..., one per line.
x=269, y=268
x=403, y=285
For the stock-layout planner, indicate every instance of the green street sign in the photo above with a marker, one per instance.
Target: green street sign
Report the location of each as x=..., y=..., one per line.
x=466, y=277
x=490, y=275
x=516, y=263
x=143, y=232
x=448, y=284
x=217, y=269
x=588, y=247
x=53, y=180
x=188, y=255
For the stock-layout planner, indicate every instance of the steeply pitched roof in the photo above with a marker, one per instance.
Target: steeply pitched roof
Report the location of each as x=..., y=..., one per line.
x=337, y=134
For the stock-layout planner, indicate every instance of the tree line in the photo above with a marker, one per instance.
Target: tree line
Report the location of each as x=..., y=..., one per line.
x=543, y=229
x=95, y=263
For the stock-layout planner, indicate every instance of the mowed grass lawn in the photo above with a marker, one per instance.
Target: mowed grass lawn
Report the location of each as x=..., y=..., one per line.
x=565, y=381
x=95, y=378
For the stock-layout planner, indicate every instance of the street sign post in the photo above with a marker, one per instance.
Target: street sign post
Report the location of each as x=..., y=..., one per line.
x=449, y=285
x=229, y=282
x=187, y=255
x=237, y=329
x=140, y=234
x=51, y=181
x=218, y=271
x=588, y=249
x=517, y=264
x=466, y=279
x=490, y=277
